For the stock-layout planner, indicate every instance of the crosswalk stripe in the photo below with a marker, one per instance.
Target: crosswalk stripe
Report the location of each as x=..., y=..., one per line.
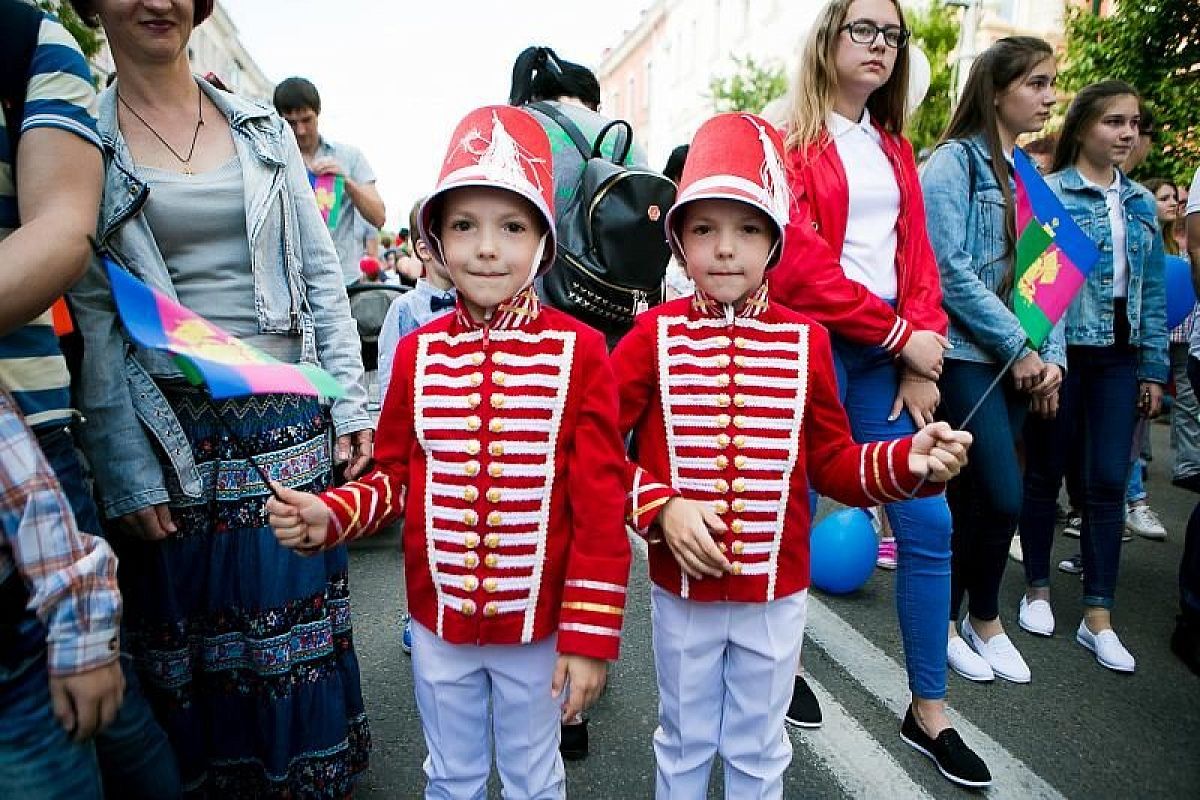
x=876, y=672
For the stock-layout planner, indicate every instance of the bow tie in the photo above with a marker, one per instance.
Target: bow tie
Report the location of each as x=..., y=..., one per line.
x=441, y=302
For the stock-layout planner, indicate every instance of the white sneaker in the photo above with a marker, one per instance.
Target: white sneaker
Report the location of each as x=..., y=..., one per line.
x=1142, y=520
x=1107, y=647
x=999, y=653
x=966, y=662
x=1014, y=549
x=1036, y=617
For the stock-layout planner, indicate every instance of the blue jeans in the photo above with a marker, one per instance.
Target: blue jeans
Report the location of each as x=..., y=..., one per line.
x=868, y=379
x=1189, y=565
x=131, y=756
x=985, y=498
x=1099, y=395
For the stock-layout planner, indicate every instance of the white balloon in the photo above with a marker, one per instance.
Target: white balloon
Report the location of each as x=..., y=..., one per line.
x=919, y=75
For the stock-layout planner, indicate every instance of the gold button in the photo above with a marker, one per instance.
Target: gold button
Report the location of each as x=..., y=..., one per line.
x=722, y=462
x=490, y=585
x=723, y=401
x=496, y=449
x=740, y=462
x=470, y=494
x=491, y=541
x=739, y=505
x=467, y=608
x=737, y=526
x=723, y=380
x=495, y=426
x=474, y=399
x=739, y=485
x=721, y=507
x=739, y=441
x=495, y=470
x=491, y=610
x=471, y=541
x=473, y=423
x=469, y=517
x=739, y=361
x=470, y=583
x=471, y=468
x=493, y=495
x=721, y=486
x=473, y=447
x=739, y=400
x=491, y=561
x=723, y=440
x=721, y=546
x=477, y=358
x=499, y=378
x=723, y=419
x=738, y=548
x=499, y=358
x=722, y=341
x=475, y=378
x=739, y=342
x=739, y=379
x=497, y=401
x=471, y=560
x=494, y=519
x=722, y=361
x=736, y=568
x=739, y=421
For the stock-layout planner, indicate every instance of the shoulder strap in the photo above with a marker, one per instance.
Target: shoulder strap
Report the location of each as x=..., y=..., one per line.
x=563, y=121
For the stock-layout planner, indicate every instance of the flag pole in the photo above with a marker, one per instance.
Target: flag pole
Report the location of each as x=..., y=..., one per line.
x=995, y=382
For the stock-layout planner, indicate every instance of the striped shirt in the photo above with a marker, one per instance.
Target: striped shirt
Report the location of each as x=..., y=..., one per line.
x=72, y=576
x=59, y=95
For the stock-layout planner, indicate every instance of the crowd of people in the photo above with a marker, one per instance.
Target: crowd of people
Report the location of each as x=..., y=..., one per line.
x=838, y=322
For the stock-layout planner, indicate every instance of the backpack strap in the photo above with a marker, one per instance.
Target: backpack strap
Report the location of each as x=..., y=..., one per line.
x=621, y=150
x=572, y=130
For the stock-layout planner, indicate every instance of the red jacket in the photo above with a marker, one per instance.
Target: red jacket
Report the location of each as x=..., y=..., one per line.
x=505, y=442
x=742, y=414
x=809, y=276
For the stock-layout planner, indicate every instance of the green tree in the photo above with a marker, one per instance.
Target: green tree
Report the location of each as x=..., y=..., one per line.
x=935, y=29
x=88, y=38
x=749, y=88
x=1155, y=46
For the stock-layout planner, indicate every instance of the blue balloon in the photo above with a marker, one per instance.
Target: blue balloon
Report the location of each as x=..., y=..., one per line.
x=1181, y=295
x=842, y=551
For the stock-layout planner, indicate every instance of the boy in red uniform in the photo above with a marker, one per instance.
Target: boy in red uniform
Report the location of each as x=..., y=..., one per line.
x=498, y=444
x=733, y=403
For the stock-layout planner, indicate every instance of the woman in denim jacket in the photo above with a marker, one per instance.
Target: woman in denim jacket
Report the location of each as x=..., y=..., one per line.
x=1116, y=333
x=969, y=203
x=244, y=649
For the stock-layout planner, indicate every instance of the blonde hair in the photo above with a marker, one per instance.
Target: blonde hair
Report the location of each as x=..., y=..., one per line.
x=815, y=85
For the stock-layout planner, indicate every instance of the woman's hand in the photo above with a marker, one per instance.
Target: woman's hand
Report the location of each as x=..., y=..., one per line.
x=1049, y=382
x=1027, y=371
x=919, y=395
x=1149, y=399
x=355, y=450
x=151, y=524
x=923, y=353
x=1045, y=406
x=938, y=452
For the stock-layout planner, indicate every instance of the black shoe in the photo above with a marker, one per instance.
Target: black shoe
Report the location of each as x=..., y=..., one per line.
x=954, y=759
x=804, y=711
x=574, y=744
x=1185, y=643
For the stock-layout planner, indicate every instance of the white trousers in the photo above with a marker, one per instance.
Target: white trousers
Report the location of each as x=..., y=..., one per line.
x=454, y=684
x=724, y=682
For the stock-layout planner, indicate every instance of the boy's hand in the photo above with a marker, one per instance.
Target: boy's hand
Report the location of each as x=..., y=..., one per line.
x=938, y=452
x=300, y=521
x=688, y=527
x=922, y=353
x=586, y=677
x=86, y=703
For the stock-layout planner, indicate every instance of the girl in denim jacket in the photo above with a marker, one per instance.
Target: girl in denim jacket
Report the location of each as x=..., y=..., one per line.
x=969, y=202
x=1117, y=363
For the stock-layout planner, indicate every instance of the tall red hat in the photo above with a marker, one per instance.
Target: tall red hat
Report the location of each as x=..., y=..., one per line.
x=502, y=147
x=735, y=157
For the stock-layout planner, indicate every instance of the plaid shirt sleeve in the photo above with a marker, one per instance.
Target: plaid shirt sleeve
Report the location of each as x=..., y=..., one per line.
x=72, y=576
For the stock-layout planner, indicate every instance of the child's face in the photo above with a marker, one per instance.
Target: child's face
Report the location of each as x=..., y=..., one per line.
x=489, y=238
x=1111, y=138
x=726, y=245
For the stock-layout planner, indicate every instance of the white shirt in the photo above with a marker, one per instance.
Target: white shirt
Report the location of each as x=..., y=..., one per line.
x=1116, y=221
x=869, y=250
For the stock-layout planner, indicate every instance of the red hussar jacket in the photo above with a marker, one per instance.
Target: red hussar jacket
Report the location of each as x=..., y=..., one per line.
x=809, y=277
x=504, y=441
x=742, y=413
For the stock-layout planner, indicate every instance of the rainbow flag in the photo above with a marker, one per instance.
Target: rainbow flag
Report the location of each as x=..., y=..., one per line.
x=207, y=355
x=329, y=190
x=1053, y=254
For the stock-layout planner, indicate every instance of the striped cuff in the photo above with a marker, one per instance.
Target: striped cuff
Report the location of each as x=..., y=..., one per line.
x=592, y=612
x=645, y=501
x=884, y=473
x=361, y=508
x=898, y=336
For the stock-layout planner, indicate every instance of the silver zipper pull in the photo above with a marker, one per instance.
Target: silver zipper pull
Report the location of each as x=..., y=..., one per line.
x=639, y=304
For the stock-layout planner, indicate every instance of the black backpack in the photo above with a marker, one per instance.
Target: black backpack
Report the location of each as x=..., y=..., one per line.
x=612, y=249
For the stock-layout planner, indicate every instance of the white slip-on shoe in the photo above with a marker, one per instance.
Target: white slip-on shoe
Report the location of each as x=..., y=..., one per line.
x=966, y=662
x=1000, y=654
x=1036, y=617
x=1107, y=647
x=1145, y=523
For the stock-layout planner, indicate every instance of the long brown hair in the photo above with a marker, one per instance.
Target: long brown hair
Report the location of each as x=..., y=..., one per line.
x=1087, y=107
x=1168, y=226
x=1009, y=60
x=816, y=81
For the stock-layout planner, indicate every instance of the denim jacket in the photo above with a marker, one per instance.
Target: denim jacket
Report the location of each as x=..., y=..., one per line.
x=298, y=291
x=964, y=211
x=1089, y=320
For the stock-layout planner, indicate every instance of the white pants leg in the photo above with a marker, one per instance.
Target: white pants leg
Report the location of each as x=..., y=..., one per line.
x=452, y=689
x=689, y=656
x=526, y=718
x=764, y=644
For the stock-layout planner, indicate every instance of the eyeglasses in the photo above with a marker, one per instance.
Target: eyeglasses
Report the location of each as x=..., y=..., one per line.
x=864, y=31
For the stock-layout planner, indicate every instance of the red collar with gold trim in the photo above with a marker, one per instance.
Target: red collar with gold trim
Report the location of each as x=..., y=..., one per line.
x=516, y=312
x=753, y=306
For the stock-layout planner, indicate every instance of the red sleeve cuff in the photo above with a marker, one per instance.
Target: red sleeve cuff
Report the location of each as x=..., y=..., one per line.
x=361, y=508
x=645, y=501
x=898, y=336
x=885, y=474
x=593, y=609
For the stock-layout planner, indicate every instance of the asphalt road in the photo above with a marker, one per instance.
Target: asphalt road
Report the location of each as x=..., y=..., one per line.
x=1077, y=731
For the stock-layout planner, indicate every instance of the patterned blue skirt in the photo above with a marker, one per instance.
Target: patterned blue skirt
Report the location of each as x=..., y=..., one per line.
x=244, y=648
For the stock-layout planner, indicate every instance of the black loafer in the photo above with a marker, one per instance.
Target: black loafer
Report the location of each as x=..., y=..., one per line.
x=957, y=762
x=804, y=711
x=574, y=744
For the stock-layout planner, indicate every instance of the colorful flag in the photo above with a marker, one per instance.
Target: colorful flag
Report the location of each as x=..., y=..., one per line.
x=1053, y=255
x=206, y=354
x=329, y=190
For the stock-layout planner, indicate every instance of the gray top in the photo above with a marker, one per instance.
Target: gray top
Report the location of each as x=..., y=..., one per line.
x=199, y=223
x=351, y=227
